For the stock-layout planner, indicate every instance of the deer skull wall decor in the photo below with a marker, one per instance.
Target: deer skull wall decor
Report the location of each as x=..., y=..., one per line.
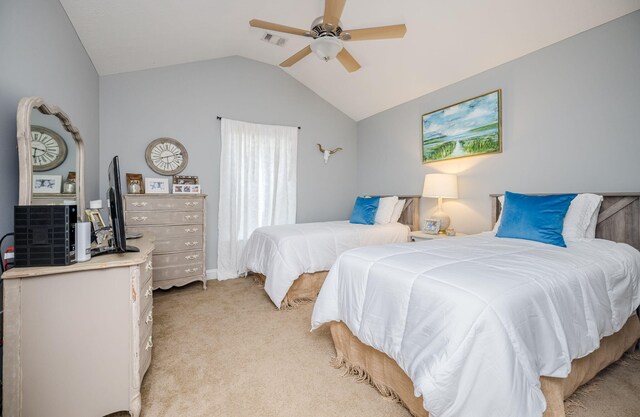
x=327, y=153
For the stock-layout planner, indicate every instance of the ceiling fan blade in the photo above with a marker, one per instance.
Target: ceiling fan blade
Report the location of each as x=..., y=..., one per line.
x=348, y=61
x=296, y=57
x=333, y=11
x=382, y=32
x=278, y=28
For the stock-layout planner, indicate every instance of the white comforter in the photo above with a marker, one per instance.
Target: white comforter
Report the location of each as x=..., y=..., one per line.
x=283, y=253
x=475, y=321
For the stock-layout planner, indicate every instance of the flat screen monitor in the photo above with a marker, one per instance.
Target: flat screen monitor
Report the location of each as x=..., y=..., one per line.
x=116, y=213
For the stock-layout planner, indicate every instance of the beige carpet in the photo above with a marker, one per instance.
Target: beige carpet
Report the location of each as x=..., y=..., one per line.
x=227, y=352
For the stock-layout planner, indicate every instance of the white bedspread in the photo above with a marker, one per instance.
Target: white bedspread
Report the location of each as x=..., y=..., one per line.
x=283, y=253
x=475, y=321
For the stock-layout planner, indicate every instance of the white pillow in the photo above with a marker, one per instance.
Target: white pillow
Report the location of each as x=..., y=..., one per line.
x=579, y=218
x=591, y=230
x=397, y=211
x=385, y=209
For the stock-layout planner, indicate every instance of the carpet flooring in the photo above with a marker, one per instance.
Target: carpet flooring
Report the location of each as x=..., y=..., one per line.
x=227, y=352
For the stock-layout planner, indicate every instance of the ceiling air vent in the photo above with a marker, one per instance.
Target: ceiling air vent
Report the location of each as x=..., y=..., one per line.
x=274, y=39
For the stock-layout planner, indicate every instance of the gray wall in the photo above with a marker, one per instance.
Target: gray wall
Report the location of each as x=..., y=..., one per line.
x=42, y=56
x=183, y=101
x=570, y=124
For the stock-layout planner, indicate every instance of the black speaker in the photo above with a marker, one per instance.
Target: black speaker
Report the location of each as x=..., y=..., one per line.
x=44, y=235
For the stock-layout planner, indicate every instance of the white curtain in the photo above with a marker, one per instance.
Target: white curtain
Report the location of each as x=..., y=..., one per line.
x=257, y=186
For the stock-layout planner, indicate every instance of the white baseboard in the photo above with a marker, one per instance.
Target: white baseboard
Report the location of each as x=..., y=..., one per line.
x=211, y=274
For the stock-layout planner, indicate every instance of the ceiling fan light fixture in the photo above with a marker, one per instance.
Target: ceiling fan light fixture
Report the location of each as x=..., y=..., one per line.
x=326, y=47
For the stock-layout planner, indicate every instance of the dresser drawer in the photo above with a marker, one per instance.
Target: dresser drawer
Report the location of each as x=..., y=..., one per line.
x=146, y=346
x=179, y=244
x=168, y=231
x=163, y=203
x=146, y=321
x=173, y=272
x=146, y=295
x=139, y=218
x=184, y=258
x=146, y=272
x=145, y=362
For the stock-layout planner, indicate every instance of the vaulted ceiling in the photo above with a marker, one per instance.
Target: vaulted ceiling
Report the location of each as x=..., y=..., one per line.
x=446, y=40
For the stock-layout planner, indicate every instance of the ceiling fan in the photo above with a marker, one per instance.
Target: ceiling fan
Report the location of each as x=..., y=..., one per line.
x=328, y=36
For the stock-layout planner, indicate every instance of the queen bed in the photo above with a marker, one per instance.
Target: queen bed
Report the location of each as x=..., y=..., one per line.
x=292, y=261
x=483, y=326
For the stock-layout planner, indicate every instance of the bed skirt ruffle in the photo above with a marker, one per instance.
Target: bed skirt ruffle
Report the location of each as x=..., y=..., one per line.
x=304, y=290
x=376, y=368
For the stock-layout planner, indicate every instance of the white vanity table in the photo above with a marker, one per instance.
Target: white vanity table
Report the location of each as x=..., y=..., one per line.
x=77, y=338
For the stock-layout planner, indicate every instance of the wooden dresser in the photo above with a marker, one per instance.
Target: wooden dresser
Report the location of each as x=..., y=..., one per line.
x=178, y=221
x=78, y=338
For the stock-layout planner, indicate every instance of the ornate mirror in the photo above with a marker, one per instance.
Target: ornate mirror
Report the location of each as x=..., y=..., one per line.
x=51, y=156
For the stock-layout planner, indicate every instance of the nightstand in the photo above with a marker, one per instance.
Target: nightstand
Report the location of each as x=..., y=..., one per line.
x=419, y=236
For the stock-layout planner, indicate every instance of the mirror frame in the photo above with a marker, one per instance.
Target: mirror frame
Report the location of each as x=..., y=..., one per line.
x=26, y=105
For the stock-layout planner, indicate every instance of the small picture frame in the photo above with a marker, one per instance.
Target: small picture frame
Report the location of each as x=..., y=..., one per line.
x=156, y=185
x=185, y=179
x=98, y=224
x=432, y=226
x=135, y=184
x=95, y=218
x=186, y=188
x=46, y=184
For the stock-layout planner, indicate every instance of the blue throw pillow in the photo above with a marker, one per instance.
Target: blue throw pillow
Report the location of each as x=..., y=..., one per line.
x=538, y=218
x=364, y=211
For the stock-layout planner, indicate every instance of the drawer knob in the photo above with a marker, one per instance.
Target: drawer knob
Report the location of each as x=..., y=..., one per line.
x=190, y=270
x=191, y=257
x=149, y=318
x=139, y=218
x=191, y=229
x=149, y=343
x=140, y=204
x=190, y=243
x=191, y=203
x=149, y=292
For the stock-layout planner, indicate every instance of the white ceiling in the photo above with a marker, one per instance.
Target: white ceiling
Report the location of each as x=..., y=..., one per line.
x=446, y=40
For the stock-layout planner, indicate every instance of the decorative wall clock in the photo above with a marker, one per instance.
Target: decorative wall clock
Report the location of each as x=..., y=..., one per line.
x=166, y=156
x=48, y=149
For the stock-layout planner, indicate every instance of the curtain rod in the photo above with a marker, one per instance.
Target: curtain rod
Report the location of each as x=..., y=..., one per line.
x=220, y=118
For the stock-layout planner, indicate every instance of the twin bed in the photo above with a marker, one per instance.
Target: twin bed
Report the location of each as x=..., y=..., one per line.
x=451, y=325
x=292, y=261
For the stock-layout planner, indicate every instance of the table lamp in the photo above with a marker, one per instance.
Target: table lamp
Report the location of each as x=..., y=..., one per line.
x=441, y=186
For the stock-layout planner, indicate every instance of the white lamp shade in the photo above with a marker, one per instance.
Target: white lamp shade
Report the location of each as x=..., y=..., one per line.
x=327, y=47
x=440, y=186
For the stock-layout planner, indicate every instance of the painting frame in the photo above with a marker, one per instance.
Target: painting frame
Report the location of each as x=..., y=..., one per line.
x=431, y=226
x=156, y=185
x=46, y=184
x=498, y=124
x=100, y=228
x=186, y=188
x=135, y=179
x=185, y=179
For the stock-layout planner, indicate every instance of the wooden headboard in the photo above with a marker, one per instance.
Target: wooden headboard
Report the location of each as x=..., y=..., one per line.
x=411, y=211
x=618, y=220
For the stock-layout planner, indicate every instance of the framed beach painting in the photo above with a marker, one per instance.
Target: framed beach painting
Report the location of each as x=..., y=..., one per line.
x=471, y=127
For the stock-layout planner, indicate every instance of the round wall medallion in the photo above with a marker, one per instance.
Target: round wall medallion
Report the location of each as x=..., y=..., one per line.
x=166, y=156
x=48, y=149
